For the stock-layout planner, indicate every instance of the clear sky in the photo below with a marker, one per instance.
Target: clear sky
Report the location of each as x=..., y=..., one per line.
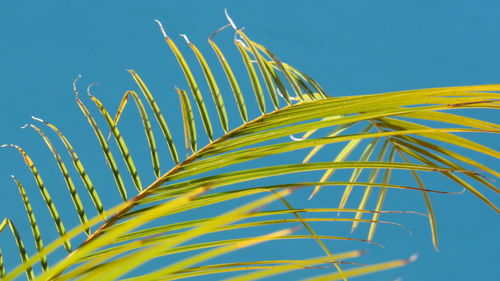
x=349, y=47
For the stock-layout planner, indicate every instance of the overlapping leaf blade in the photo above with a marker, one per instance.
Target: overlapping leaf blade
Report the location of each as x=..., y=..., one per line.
x=67, y=178
x=45, y=195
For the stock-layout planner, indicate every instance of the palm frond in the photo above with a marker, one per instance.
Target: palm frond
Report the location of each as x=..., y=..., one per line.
x=377, y=131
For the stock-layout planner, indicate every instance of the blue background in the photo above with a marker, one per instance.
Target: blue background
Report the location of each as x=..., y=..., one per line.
x=349, y=47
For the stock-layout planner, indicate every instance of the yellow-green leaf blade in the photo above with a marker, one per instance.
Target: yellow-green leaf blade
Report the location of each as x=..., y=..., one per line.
x=364, y=270
x=262, y=67
x=33, y=224
x=67, y=178
x=146, y=124
x=188, y=118
x=158, y=115
x=195, y=90
x=45, y=194
x=212, y=84
x=257, y=89
x=20, y=246
x=240, y=101
x=127, y=157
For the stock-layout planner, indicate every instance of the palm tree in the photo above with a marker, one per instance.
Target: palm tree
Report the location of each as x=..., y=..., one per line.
x=254, y=164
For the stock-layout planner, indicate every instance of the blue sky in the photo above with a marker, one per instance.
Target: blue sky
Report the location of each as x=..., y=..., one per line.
x=349, y=47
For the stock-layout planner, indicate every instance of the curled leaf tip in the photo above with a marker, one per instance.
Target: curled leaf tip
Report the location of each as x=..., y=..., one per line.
x=38, y=119
x=185, y=38
x=89, y=87
x=25, y=125
x=292, y=137
x=78, y=77
x=75, y=89
x=278, y=91
x=161, y=28
x=239, y=41
x=231, y=22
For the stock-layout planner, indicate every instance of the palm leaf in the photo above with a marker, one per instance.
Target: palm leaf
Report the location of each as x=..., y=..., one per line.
x=45, y=195
x=67, y=178
x=34, y=225
x=147, y=127
x=231, y=168
x=20, y=245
